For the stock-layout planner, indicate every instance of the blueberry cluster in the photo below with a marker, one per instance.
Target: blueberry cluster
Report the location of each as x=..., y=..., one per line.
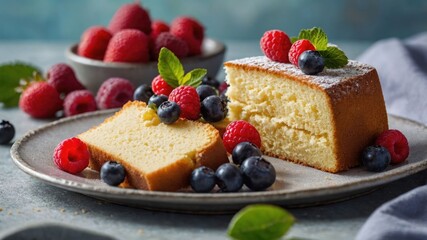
x=213, y=107
x=248, y=168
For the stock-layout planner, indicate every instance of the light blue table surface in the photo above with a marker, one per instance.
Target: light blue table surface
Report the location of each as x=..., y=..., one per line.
x=25, y=200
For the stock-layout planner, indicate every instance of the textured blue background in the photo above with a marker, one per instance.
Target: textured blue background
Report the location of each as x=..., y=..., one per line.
x=224, y=19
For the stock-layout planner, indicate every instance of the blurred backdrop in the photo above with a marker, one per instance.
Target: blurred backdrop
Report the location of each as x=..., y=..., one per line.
x=356, y=20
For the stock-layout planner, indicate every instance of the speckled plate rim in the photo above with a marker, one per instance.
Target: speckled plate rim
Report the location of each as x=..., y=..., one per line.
x=209, y=199
x=210, y=49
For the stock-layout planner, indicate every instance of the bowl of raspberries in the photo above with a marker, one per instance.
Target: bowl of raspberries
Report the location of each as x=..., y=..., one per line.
x=129, y=47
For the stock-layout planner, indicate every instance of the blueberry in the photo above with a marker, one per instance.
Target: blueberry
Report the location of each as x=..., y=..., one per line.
x=168, y=112
x=143, y=93
x=213, y=109
x=258, y=174
x=205, y=91
x=376, y=158
x=156, y=100
x=243, y=151
x=311, y=62
x=229, y=178
x=211, y=82
x=202, y=179
x=7, y=132
x=112, y=173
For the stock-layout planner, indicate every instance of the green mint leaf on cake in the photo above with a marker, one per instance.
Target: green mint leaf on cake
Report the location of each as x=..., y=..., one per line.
x=260, y=221
x=11, y=75
x=172, y=71
x=170, y=68
x=334, y=57
x=316, y=36
x=194, y=77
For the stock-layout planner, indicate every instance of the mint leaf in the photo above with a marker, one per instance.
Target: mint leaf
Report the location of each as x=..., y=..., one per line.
x=316, y=36
x=10, y=76
x=194, y=77
x=260, y=221
x=170, y=68
x=334, y=57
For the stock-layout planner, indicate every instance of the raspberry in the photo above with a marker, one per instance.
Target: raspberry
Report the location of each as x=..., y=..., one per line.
x=160, y=86
x=188, y=100
x=189, y=30
x=40, y=100
x=128, y=45
x=240, y=131
x=79, y=101
x=114, y=93
x=130, y=16
x=297, y=48
x=276, y=44
x=94, y=42
x=158, y=27
x=71, y=155
x=63, y=79
x=396, y=143
x=178, y=46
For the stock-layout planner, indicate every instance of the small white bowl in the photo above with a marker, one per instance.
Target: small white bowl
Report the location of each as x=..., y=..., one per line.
x=92, y=73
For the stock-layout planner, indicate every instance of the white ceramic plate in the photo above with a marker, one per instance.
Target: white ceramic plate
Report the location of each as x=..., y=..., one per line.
x=296, y=185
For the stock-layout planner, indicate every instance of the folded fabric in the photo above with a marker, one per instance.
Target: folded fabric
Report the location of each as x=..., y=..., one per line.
x=402, y=218
x=402, y=68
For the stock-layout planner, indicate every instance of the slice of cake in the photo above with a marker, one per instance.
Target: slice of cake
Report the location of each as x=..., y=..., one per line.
x=323, y=121
x=156, y=156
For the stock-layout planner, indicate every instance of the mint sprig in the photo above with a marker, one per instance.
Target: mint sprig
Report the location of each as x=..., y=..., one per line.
x=260, y=221
x=11, y=75
x=172, y=71
x=334, y=57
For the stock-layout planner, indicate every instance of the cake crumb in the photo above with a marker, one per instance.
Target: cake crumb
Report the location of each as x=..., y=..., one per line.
x=141, y=231
x=84, y=211
x=1, y=209
x=328, y=178
x=37, y=210
x=10, y=213
x=62, y=210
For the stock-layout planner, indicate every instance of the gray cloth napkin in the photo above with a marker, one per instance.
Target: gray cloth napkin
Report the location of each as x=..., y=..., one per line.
x=402, y=68
x=404, y=218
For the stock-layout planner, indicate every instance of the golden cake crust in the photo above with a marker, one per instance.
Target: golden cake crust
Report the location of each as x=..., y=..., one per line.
x=173, y=176
x=354, y=97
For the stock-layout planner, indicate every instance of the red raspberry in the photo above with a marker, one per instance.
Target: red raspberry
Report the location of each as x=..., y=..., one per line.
x=160, y=86
x=40, y=100
x=276, y=44
x=94, y=42
x=79, y=101
x=128, y=46
x=240, y=131
x=189, y=30
x=178, y=46
x=130, y=16
x=188, y=100
x=158, y=27
x=71, y=155
x=114, y=93
x=396, y=143
x=297, y=48
x=63, y=79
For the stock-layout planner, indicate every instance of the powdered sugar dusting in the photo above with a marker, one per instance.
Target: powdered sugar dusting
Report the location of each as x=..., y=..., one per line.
x=326, y=79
